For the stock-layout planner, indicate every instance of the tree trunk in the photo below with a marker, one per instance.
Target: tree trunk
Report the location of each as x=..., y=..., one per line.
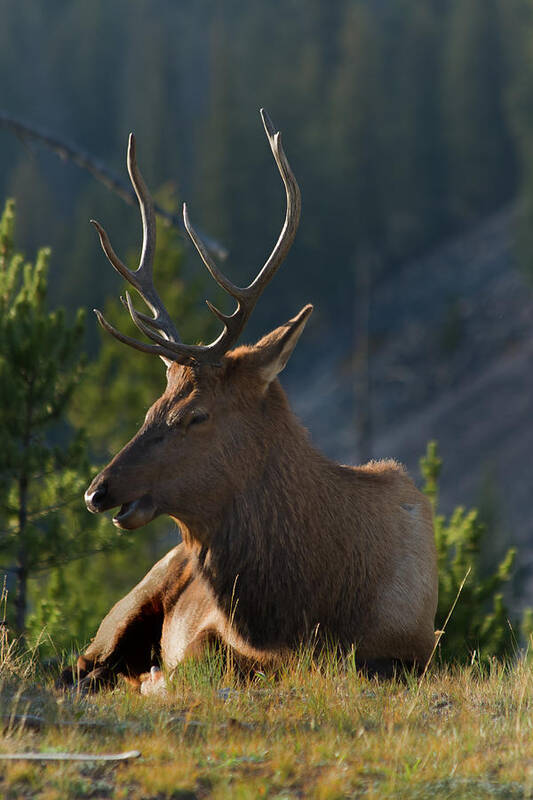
x=364, y=266
x=20, y=601
x=22, y=560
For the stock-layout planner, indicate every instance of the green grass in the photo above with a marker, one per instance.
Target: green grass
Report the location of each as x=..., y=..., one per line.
x=316, y=730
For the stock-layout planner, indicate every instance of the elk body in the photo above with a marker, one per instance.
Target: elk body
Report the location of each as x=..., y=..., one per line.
x=279, y=544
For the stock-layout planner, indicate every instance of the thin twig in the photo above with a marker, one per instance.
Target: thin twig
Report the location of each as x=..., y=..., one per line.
x=440, y=633
x=438, y=637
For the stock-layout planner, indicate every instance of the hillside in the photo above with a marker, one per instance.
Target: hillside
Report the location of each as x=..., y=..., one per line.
x=451, y=359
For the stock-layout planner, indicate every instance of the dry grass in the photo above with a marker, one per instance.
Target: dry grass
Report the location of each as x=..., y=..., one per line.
x=318, y=730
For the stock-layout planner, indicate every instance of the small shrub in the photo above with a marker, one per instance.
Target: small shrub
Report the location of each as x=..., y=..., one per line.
x=480, y=623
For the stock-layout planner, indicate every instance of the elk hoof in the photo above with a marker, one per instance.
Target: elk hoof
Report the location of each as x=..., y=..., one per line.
x=154, y=683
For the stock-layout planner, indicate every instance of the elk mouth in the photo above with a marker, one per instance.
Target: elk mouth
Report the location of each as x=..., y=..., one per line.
x=135, y=514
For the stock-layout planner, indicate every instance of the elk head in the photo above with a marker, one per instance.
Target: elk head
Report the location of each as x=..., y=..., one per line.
x=212, y=427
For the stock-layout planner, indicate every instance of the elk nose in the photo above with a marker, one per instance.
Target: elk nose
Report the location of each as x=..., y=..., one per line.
x=94, y=498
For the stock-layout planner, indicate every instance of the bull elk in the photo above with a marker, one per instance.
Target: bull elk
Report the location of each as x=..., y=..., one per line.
x=279, y=544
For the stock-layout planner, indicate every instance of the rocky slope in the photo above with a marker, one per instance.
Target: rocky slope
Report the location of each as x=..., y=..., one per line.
x=451, y=359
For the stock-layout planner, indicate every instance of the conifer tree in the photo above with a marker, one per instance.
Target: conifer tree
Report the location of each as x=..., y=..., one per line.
x=480, y=622
x=43, y=464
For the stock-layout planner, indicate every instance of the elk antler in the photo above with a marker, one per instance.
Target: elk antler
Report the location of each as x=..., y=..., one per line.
x=160, y=328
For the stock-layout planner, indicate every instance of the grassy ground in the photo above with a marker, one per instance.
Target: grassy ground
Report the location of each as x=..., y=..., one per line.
x=317, y=730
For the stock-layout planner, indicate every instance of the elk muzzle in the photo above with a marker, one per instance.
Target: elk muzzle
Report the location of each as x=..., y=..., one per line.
x=132, y=514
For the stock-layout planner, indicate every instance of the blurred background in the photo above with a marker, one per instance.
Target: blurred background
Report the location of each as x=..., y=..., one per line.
x=409, y=127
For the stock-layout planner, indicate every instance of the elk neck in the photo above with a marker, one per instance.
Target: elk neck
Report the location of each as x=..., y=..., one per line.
x=269, y=549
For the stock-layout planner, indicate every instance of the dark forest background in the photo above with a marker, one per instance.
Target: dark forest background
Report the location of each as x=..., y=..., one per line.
x=404, y=122
x=407, y=124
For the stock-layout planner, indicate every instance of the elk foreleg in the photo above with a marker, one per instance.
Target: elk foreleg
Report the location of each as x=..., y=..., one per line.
x=128, y=640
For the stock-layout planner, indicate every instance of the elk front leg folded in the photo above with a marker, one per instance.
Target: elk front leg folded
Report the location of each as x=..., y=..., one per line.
x=128, y=641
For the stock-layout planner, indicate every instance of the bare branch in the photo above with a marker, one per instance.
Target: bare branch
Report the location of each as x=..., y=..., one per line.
x=68, y=151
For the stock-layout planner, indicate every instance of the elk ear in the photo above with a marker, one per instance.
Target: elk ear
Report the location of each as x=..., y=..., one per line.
x=272, y=352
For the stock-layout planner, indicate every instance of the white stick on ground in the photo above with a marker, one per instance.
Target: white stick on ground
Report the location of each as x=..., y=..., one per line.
x=70, y=756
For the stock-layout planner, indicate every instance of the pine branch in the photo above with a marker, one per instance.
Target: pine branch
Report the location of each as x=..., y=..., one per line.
x=51, y=563
x=31, y=516
x=61, y=561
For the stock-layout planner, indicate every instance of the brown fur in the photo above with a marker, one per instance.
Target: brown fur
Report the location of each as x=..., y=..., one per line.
x=280, y=545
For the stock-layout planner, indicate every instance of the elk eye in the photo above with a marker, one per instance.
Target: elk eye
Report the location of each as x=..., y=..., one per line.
x=198, y=417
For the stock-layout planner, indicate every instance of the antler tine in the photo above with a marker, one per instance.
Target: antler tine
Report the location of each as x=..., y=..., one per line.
x=145, y=324
x=144, y=273
x=248, y=296
x=142, y=278
x=292, y=215
x=112, y=256
x=156, y=349
x=146, y=205
x=220, y=278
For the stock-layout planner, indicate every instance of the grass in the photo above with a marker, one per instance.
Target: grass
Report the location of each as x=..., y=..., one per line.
x=317, y=730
